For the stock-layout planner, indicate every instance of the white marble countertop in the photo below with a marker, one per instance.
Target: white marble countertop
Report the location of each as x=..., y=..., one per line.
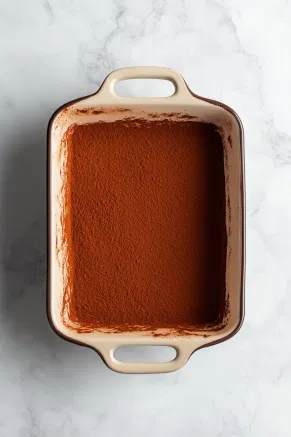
x=53, y=51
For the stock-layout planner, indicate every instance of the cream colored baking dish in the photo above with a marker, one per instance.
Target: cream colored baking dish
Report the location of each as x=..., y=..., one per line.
x=87, y=110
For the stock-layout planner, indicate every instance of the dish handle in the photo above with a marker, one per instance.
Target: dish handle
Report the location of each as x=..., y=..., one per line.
x=183, y=353
x=181, y=89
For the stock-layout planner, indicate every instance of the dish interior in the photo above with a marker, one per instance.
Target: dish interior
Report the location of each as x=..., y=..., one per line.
x=145, y=225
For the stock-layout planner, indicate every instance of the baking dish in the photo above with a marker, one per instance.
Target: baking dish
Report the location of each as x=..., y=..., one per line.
x=88, y=110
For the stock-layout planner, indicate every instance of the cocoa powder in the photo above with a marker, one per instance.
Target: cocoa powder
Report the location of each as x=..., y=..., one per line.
x=146, y=229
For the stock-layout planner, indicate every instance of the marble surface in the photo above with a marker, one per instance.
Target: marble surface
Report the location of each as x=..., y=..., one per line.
x=52, y=51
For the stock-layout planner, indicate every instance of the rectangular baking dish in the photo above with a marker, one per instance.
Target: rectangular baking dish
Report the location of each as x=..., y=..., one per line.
x=183, y=101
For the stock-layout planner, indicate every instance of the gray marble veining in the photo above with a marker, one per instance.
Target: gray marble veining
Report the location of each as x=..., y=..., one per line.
x=53, y=51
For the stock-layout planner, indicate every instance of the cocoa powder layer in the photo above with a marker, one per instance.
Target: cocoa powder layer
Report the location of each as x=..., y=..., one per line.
x=147, y=238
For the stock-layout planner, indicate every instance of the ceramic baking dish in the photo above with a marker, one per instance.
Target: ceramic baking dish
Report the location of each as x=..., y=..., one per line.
x=87, y=110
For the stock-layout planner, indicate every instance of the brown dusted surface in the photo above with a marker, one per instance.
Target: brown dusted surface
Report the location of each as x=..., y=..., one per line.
x=147, y=214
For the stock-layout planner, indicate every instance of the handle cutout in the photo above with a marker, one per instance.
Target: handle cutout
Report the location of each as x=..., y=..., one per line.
x=133, y=88
x=145, y=354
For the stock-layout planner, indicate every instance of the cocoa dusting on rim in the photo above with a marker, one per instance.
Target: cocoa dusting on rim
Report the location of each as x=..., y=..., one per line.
x=137, y=113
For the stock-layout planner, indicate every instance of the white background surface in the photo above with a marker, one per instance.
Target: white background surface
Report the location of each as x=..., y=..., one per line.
x=238, y=52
